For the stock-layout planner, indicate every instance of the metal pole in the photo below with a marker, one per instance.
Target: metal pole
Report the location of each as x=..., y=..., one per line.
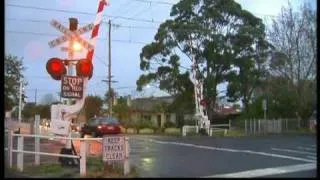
x=109, y=73
x=70, y=71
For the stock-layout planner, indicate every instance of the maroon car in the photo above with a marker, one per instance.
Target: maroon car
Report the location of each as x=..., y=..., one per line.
x=101, y=126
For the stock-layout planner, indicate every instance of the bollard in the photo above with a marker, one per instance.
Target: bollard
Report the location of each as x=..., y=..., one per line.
x=20, y=154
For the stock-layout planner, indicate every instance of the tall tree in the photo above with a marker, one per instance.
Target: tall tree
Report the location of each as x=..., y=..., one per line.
x=122, y=111
x=294, y=36
x=200, y=29
x=92, y=106
x=251, y=51
x=13, y=67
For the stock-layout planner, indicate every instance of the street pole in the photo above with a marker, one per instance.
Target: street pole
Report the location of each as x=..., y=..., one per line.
x=20, y=103
x=109, y=73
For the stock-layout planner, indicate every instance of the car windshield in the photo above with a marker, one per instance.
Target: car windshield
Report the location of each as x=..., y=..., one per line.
x=105, y=120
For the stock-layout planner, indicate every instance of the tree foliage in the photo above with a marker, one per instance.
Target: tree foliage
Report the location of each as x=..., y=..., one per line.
x=30, y=110
x=13, y=67
x=122, y=111
x=212, y=32
x=92, y=106
x=48, y=99
x=294, y=36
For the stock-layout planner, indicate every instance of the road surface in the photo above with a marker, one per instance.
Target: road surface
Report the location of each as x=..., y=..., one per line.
x=269, y=156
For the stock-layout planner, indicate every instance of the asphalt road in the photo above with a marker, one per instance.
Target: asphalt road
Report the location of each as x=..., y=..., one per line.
x=270, y=156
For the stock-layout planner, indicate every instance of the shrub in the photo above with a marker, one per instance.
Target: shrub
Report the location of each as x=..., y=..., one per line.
x=169, y=124
x=146, y=131
x=145, y=124
x=172, y=131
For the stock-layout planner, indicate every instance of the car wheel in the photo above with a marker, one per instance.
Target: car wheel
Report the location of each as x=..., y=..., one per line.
x=94, y=134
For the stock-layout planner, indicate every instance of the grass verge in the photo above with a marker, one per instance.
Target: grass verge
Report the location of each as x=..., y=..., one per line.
x=96, y=168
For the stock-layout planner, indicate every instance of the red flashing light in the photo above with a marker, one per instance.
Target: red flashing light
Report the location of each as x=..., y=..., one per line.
x=84, y=68
x=56, y=68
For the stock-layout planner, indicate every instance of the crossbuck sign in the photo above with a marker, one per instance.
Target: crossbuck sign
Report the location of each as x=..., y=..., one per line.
x=69, y=35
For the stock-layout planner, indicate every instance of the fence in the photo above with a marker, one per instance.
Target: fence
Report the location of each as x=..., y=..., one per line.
x=37, y=153
x=270, y=126
x=214, y=127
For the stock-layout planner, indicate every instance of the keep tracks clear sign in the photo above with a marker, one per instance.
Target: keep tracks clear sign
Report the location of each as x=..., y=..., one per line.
x=114, y=148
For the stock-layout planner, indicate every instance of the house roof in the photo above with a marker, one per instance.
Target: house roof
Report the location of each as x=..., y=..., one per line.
x=150, y=104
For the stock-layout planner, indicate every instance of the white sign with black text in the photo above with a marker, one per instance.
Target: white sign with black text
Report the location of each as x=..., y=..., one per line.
x=114, y=148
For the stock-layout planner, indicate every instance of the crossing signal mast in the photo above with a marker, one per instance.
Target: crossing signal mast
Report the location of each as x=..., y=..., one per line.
x=73, y=85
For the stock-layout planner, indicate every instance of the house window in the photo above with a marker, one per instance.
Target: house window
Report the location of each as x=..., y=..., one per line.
x=146, y=117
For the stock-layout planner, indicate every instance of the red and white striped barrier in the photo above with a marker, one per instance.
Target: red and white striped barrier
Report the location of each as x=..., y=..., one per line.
x=95, y=30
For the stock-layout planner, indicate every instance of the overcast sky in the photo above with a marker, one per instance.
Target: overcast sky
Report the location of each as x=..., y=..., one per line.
x=28, y=31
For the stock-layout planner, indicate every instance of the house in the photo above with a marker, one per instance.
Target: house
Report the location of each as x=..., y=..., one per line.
x=153, y=109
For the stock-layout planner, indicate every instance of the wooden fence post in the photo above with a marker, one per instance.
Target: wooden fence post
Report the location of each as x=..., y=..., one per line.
x=259, y=130
x=37, y=140
x=20, y=154
x=126, y=160
x=83, y=158
x=10, y=147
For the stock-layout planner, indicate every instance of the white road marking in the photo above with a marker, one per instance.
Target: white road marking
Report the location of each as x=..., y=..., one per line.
x=234, y=150
x=293, y=151
x=312, y=157
x=308, y=149
x=268, y=171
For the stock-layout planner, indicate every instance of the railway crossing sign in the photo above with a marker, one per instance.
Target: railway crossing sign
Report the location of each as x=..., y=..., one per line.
x=68, y=35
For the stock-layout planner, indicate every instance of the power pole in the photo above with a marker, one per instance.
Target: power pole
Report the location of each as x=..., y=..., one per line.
x=20, y=102
x=35, y=97
x=109, y=72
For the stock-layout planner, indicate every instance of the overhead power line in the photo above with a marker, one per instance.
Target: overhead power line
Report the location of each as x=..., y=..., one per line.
x=102, y=39
x=155, y=2
x=81, y=12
